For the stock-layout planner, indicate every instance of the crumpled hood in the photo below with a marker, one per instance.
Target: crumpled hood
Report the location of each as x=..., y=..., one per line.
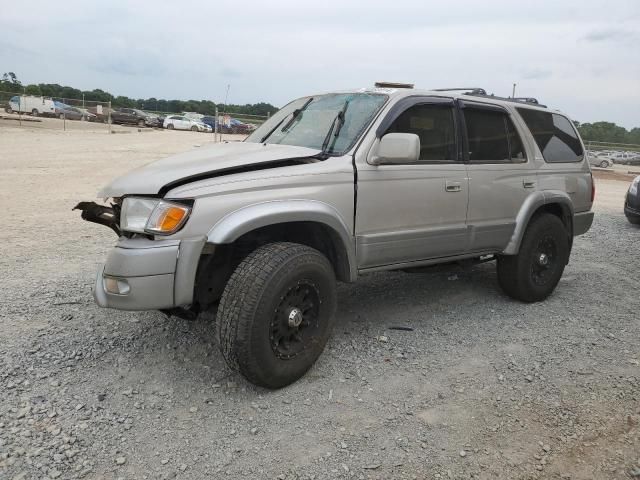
x=198, y=163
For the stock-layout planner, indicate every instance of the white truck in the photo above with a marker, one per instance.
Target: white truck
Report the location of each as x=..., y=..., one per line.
x=30, y=104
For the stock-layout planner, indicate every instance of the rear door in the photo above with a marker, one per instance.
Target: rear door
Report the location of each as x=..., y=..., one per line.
x=414, y=211
x=184, y=123
x=501, y=176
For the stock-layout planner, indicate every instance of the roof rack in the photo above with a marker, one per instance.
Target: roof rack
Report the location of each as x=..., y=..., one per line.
x=526, y=100
x=469, y=90
x=481, y=92
x=393, y=85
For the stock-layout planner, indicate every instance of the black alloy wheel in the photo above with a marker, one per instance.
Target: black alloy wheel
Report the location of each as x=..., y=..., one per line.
x=295, y=322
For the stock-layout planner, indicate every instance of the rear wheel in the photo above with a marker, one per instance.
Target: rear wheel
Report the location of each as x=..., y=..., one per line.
x=141, y=123
x=276, y=313
x=170, y=126
x=604, y=164
x=194, y=129
x=62, y=116
x=532, y=274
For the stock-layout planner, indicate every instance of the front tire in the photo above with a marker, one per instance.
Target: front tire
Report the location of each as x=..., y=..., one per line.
x=170, y=126
x=604, y=164
x=141, y=123
x=276, y=313
x=194, y=129
x=532, y=274
x=34, y=112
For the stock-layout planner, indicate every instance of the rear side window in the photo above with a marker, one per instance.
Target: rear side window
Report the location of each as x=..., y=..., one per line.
x=492, y=137
x=555, y=136
x=434, y=125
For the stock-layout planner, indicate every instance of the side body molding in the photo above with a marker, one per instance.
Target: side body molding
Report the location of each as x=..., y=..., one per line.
x=237, y=223
x=530, y=205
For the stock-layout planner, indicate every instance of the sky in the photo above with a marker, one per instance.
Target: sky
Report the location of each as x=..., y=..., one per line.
x=582, y=57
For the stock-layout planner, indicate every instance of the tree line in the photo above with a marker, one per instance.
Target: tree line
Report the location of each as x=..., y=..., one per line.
x=10, y=83
x=595, y=132
x=608, y=132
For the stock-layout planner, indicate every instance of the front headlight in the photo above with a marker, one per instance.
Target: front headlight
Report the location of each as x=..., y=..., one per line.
x=150, y=215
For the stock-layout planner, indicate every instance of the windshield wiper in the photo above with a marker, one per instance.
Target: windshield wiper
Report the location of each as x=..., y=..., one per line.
x=296, y=113
x=336, y=126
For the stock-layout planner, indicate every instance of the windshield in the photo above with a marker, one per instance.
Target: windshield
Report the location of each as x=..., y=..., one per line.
x=314, y=118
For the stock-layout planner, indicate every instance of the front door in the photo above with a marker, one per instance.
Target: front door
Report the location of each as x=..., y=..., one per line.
x=417, y=211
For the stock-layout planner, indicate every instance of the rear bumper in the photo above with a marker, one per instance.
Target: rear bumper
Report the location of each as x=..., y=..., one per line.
x=150, y=274
x=582, y=222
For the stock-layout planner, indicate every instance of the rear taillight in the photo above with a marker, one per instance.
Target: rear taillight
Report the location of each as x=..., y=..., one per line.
x=593, y=189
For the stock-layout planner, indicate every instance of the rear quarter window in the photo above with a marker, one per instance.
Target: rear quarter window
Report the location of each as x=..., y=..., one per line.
x=554, y=134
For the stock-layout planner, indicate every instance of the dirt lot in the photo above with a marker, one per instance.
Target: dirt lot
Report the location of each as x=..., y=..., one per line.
x=482, y=387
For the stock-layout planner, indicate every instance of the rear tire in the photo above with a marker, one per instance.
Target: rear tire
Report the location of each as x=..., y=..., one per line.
x=532, y=274
x=194, y=129
x=604, y=164
x=276, y=313
x=61, y=116
x=140, y=123
x=170, y=126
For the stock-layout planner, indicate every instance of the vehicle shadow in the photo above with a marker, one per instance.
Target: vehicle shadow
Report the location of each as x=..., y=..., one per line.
x=177, y=354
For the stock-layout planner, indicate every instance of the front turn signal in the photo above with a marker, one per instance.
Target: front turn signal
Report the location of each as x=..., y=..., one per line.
x=167, y=218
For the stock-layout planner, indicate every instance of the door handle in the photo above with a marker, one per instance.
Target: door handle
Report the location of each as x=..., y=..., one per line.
x=452, y=186
x=528, y=183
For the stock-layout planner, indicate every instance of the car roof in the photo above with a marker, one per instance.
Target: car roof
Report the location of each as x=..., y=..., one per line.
x=461, y=94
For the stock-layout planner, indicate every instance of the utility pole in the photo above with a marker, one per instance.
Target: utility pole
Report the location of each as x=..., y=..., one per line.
x=513, y=92
x=226, y=97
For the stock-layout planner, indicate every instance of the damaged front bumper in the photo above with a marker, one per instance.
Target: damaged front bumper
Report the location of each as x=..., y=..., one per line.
x=143, y=274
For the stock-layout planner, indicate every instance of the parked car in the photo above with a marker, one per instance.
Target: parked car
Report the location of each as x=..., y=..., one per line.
x=237, y=127
x=133, y=116
x=193, y=115
x=626, y=158
x=67, y=112
x=211, y=121
x=260, y=230
x=180, y=122
x=87, y=115
x=36, y=106
x=632, y=202
x=101, y=114
x=597, y=161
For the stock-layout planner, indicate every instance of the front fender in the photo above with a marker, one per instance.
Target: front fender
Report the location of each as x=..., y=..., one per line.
x=249, y=218
x=533, y=202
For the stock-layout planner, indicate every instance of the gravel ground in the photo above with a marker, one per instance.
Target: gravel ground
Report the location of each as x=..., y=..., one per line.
x=481, y=387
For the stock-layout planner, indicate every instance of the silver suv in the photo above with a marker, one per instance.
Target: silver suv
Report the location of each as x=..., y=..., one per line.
x=335, y=186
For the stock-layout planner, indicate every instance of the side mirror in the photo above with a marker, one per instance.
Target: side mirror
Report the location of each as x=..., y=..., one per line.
x=397, y=148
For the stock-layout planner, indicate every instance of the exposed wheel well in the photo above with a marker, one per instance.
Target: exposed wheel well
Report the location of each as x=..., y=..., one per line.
x=559, y=210
x=563, y=213
x=218, y=262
